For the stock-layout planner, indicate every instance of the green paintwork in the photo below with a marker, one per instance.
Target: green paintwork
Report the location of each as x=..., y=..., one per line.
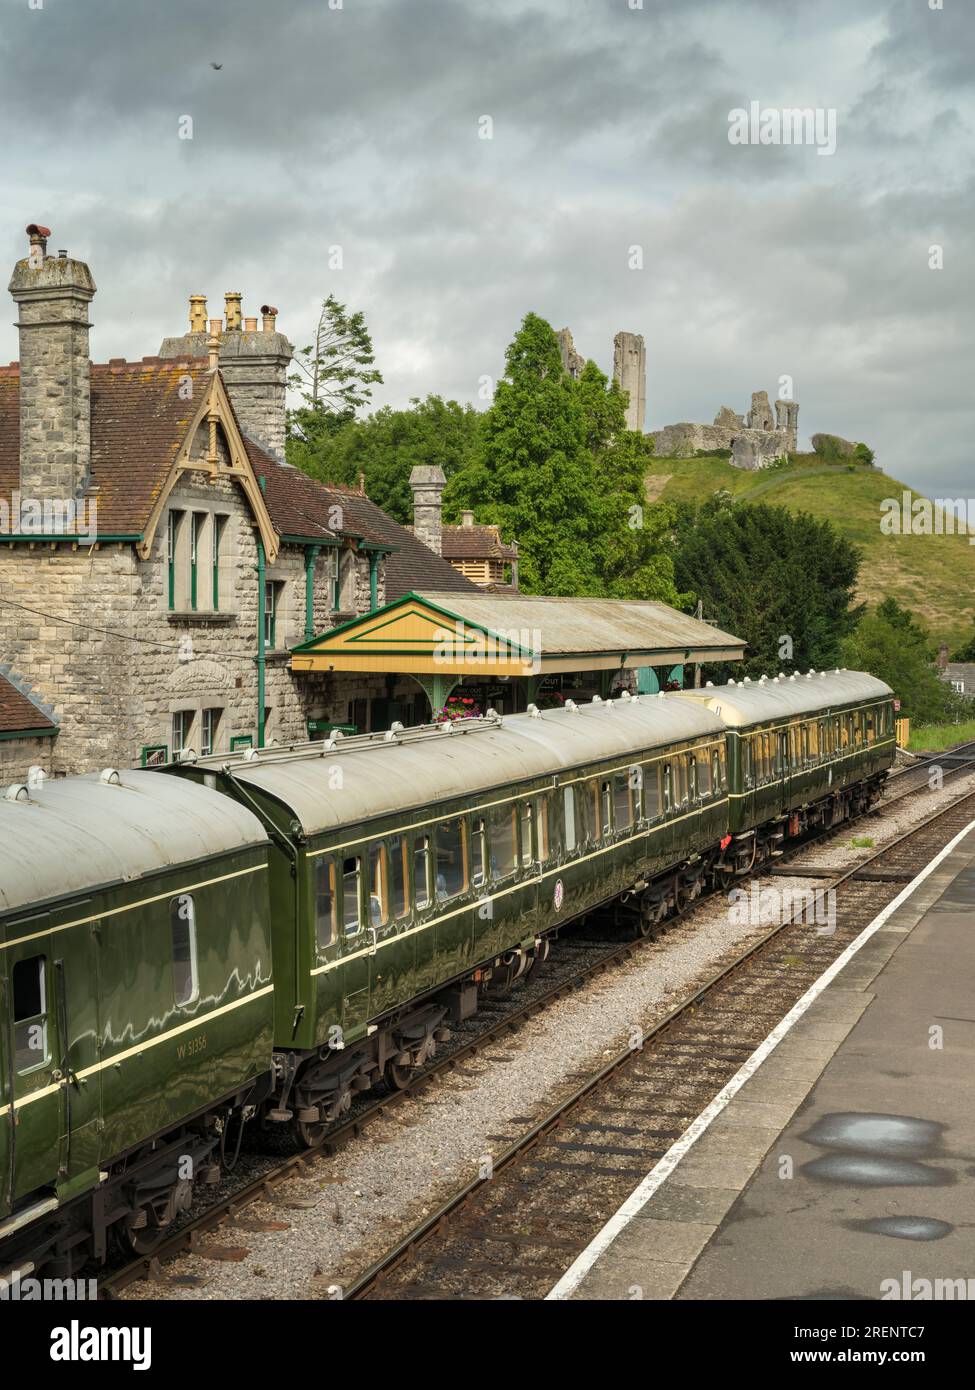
x=137, y=1062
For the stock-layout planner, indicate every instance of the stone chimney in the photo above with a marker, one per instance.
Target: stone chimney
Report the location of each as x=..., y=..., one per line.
x=942, y=656
x=428, y=482
x=52, y=294
x=467, y=518
x=253, y=363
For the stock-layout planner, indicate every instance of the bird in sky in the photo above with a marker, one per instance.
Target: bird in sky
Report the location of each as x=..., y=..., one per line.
x=216, y=66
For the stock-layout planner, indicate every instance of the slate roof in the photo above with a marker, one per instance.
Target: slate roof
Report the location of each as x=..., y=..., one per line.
x=475, y=543
x=19, y=710
x=138, y=423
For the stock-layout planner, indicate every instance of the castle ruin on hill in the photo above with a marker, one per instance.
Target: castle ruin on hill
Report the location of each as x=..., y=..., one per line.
x=756, y=438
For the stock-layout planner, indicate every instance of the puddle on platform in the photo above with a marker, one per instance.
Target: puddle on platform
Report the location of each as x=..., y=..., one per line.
x=890, y=1136
x=860, y=1170
x=903, y=1227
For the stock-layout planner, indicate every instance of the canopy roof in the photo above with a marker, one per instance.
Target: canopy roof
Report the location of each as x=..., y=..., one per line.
x=430, y=632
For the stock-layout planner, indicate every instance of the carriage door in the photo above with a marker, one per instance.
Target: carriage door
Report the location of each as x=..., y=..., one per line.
x=33, y=1070
x=785, y=762
x=75, y=1002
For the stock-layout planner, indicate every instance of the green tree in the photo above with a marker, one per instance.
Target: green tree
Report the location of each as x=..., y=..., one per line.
x=335, y=372
x=559, y=473
x=892, y=645
x=387, y=445
x=783, y=582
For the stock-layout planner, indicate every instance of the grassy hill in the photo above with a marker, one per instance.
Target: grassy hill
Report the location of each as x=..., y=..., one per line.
x=933, y=575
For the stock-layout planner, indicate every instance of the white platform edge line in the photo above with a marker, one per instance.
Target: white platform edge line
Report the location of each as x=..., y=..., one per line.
x=662, y=1170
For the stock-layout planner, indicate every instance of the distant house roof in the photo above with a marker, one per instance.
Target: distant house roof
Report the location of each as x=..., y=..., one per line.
x=470, y=542
x=20, y=711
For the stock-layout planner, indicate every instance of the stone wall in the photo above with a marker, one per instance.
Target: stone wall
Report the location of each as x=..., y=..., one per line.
x=19, y=755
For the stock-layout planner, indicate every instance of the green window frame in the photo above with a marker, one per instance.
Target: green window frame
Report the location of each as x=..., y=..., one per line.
x=171, y=559
x=270, y=614
x=154, y=755
x=240, y=741
x=216, y=536
x=194, y=555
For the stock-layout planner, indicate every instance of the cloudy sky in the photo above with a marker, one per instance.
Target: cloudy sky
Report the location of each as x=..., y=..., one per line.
x=358, y=124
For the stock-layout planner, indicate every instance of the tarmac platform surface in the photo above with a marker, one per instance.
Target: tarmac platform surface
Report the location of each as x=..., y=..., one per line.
x=844, y=1166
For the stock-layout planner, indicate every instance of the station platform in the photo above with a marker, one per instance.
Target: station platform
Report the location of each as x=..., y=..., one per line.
x=843, y=1167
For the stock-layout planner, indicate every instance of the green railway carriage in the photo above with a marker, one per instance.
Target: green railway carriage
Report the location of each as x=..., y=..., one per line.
x=135, y=1006
x=803, y=750
x=413, y=869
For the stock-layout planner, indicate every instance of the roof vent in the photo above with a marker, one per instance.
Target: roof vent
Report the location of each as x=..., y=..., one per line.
x=446, y=726
x=396, y=727
x=250, y=754
x=709, y=685
x=747, y=680
x=571, y=706
x=492, y=713
x=534, y=711
x=597, y=699
x=660, y=694
x=793, y=676
x=625, y=695
x=36, y=777
x=16, y=792
x=109, y=775
x=812, y=670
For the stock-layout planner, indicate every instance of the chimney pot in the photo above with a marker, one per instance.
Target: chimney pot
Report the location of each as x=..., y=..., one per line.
x=216, y=328
x=62, y=255
x=270, y=315
x=250, y=325
x=232, y=304
x=467, y=518
x=198, y=313
x=213, y=348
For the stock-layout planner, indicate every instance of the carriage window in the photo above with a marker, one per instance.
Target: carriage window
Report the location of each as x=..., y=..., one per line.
x=745, y=745
x=350, y=895
x=666, y=784
x=623, y=797
x=568, y=805
x=605, y=808
x=722, y=768
x=651, y=793
x=421, y=872
x=504, y=843
x=30, y=1013
x=526, y=834
x=451, y=859
x=703, y=775
x=812, y=741
x=479, y=876
x=182, y=926
x=691, y=762
x=399, y=893
x=378, y=886
x=324, y=902
x=542, y=811
x=871, y=726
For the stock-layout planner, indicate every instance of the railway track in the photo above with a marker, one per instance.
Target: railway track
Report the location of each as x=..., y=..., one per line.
x=499, y=1019
x=512, y=1233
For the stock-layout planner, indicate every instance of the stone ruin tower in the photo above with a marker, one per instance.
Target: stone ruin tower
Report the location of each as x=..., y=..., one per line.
x=630, y=371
